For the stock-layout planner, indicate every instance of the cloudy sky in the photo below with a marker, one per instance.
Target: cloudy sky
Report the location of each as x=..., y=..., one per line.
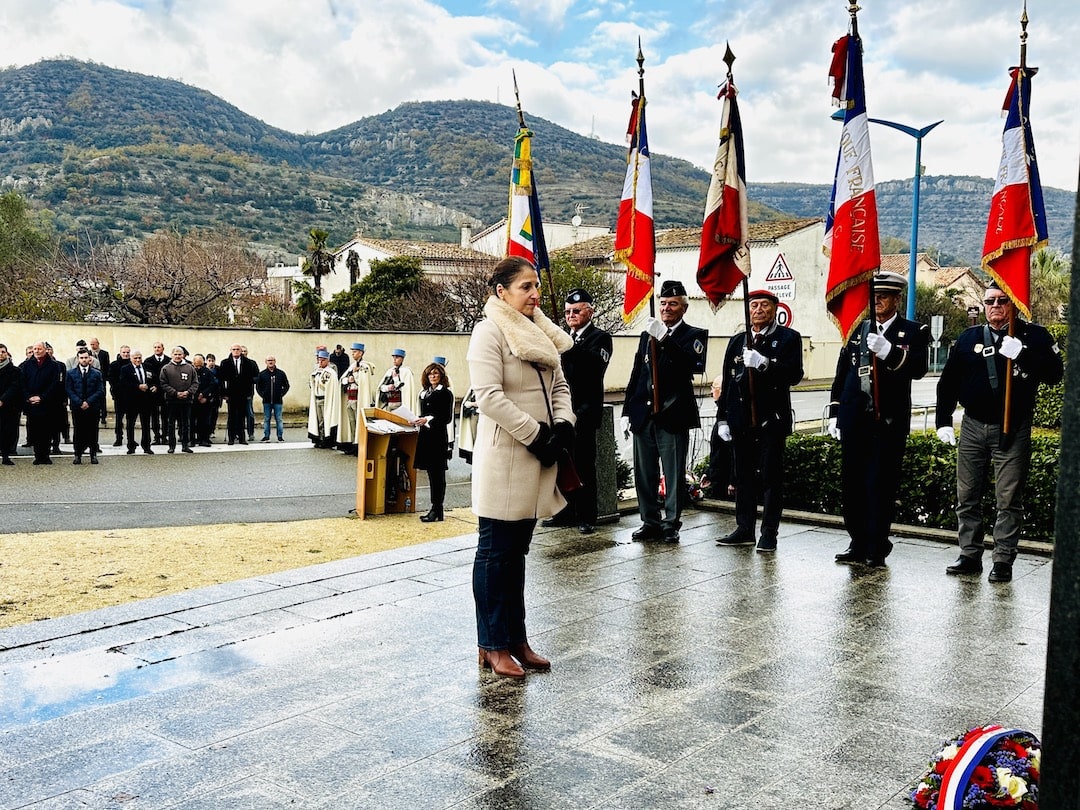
x=314, y=65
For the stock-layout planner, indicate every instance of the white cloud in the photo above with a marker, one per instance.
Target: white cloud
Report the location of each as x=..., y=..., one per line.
x=314, y=65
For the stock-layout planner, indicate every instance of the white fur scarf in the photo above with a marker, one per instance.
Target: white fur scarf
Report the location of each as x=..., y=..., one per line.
x=536, y=340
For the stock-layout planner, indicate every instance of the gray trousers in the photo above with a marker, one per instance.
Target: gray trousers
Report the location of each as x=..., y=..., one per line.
x=976, y=450
x=656, y=449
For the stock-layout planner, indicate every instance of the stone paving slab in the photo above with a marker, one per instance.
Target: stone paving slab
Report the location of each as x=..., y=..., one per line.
x=684, y=676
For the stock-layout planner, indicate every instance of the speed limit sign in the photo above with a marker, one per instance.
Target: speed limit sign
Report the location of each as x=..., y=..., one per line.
x=783, y=314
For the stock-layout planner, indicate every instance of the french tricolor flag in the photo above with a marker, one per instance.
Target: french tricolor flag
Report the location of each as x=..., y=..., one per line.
x=851, y=227
x=1017, y=221
x=635, y=239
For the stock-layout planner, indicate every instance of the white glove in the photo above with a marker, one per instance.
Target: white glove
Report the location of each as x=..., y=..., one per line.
x=752, y=358
x=878, y=345
x=832, y=429
x=624, y=425
x=655, y=328
x=723, y=430
x=1011, y=347
x=947, y=435
x=386, y=389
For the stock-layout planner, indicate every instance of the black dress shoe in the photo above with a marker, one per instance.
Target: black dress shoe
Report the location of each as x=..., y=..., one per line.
x=671, y=535
x=548, y=523
x=875, y=562
x=849, y=555
x=118, y=443
x=171, y=450
x=1001, y=572
x=736, y=538
x=230, y=442
x=965, y=565
x=586, y=528
x=243, y=441
x=148, y=451
x=131, y=452
x=93, y=460
x=77, y=460
x=8, y=462
x=648, y=533
x=186, y=449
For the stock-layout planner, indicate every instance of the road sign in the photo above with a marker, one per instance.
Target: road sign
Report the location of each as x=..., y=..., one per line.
x=783, y=314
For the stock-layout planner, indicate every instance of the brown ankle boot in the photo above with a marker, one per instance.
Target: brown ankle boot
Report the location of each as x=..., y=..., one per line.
x=500, y=662
x=528, y=658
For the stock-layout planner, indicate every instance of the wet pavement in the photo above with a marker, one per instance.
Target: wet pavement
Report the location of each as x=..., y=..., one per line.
x=684, y=676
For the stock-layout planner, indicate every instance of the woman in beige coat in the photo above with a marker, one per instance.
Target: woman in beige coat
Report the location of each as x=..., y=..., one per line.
x=525, y=420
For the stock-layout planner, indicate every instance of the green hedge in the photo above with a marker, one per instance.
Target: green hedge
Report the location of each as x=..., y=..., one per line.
x=927, y=495
x=1049, y=400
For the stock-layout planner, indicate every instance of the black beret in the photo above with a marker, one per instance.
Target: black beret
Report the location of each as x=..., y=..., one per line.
x=672, y=288
x=579, y=296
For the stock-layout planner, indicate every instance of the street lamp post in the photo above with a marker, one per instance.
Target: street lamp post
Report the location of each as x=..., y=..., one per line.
x=918, y=135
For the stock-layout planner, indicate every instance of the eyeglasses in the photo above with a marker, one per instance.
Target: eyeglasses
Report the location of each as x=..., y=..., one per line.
x=577, y=311
x=1000, y=300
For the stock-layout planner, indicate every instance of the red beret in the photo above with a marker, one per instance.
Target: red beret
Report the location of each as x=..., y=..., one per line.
x=763, y=294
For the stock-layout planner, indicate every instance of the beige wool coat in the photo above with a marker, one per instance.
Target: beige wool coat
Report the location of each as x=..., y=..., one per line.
x=508, y=482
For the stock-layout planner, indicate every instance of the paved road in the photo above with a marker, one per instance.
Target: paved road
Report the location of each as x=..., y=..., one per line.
x=221, y=484
x=238, y=484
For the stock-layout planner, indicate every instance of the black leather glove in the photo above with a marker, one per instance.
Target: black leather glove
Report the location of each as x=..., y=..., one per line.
x=564, y=434
x=544, y=446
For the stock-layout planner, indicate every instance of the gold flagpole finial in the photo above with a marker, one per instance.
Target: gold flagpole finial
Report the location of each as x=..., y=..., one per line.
x=1023, y=37
x=853, y=9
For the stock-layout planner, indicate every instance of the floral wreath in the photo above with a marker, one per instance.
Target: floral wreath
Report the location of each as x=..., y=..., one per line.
x=988, y=767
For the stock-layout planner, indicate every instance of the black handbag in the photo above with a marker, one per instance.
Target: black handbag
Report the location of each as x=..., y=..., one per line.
x=567, y=478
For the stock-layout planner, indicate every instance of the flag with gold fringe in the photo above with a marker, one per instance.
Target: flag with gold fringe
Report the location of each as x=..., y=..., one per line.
x=1017, y=221
x=635, y=239
x=724, y=260
x=851, y=227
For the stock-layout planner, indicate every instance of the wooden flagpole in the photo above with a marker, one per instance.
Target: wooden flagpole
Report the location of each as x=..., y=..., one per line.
x=653, y=343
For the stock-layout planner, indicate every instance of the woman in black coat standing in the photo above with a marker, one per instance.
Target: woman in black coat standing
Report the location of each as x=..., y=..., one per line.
x=433, y=442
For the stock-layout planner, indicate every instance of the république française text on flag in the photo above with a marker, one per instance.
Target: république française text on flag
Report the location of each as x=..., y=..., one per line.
x=724, y=260
x=851, y=227
x=525, y=231
x=635, y=240
x=1017, y=222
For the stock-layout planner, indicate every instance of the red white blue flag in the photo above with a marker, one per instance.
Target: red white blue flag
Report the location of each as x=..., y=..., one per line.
x=724, y=260
x=851, y=227
x=1017, y=222
x=635, y=239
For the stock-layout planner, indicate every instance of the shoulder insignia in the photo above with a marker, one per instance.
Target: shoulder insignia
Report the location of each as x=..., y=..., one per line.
x=699, y=347
x=978, y=348
x=901, y=333
x=605, y=355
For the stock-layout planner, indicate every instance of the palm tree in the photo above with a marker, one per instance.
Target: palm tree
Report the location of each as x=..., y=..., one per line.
x=1050, y=282
x=319, y=263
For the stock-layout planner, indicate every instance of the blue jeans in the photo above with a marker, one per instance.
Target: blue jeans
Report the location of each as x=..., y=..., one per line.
x=656, y=449
x=275, y=410
x=499, y=582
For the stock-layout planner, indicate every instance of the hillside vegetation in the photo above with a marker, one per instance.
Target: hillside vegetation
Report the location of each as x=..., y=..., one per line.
x=118, y=155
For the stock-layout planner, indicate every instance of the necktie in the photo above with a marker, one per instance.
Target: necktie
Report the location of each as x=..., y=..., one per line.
x=142, y=379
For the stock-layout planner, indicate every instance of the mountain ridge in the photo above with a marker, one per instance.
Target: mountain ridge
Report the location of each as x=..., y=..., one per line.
x=118, y=155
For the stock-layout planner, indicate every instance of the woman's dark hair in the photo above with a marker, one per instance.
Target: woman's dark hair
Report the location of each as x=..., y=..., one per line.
x=507, y=270
x=443, y=379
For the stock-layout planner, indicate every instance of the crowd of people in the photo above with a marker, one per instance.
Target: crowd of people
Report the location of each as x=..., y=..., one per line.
x=534, y=407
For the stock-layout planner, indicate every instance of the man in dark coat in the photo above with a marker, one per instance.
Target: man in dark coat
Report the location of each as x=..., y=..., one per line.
x=153, y=365
x=85, y=389
x=236, y=377
x=974, y=376
x=870, y=413
x=102, y=358
x=42, y=386
x=754, y=414
x=140, y=397
x=202, y=409
x=661, y=433
x=10, y=406
x=584, y=366
x=117, y=391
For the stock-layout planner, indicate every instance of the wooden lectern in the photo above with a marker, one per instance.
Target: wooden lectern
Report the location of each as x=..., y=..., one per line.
x=377, y=445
